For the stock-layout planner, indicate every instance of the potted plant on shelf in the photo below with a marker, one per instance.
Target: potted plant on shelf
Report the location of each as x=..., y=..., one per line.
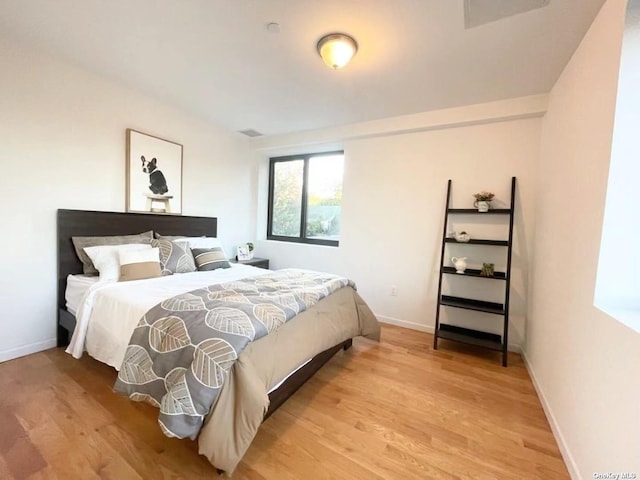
x=483, y=199
x=487, y=270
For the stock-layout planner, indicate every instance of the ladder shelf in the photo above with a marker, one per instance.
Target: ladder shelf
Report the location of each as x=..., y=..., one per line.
x=469, y=336
x=475, y=241
x=472, y=272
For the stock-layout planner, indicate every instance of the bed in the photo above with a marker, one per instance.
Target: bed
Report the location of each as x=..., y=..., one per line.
x=267, y=372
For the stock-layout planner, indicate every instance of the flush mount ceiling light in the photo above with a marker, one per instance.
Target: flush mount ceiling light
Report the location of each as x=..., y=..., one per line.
x=337, y=49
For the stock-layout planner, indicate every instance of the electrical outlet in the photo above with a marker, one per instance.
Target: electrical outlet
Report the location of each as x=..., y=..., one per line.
x=394, y=290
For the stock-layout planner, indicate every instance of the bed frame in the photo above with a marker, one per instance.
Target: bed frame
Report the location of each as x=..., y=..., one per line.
x=73, y=223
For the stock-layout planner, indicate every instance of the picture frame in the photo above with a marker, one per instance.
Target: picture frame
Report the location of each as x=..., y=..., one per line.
x=243, y=252
x=153, y=174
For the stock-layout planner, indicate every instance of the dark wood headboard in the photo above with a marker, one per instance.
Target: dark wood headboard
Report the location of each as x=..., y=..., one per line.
x=72, y=223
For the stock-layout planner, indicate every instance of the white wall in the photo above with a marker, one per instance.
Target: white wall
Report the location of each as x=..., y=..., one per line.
x=584, y=362
x=393, y=205
x=63, y=146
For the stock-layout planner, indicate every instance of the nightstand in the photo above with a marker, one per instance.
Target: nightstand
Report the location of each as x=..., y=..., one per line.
x=254, y=262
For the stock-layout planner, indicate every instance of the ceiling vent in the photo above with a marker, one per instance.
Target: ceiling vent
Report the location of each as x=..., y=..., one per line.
x=250, y=132
x=479, y=12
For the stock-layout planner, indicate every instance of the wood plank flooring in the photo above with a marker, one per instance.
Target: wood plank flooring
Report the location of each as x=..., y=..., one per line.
x=394, y=410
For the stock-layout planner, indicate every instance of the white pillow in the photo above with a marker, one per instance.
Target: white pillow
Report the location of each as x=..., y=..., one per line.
x=139, y=264
x=202, y=242
x=194, y=242
x=139, y=255
x=106, y=258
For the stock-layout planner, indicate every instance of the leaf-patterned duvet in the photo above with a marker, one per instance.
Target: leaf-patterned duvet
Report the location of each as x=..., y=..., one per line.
x=180, y=352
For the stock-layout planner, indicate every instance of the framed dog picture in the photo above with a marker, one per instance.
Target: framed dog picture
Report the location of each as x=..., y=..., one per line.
x=243, y=252
x=154, y=174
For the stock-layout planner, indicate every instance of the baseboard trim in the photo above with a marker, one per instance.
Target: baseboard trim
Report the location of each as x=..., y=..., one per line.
x=513, y=347
x=6, y=355
x=572, y=467
x=405, y=324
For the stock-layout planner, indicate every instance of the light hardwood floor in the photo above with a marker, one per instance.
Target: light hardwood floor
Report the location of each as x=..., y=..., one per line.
x=394, y=410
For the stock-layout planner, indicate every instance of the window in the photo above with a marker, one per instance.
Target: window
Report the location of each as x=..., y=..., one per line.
x=305, y=198
x=617, y=291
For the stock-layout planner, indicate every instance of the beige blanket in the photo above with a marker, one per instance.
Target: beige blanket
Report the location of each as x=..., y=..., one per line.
x=243, y=401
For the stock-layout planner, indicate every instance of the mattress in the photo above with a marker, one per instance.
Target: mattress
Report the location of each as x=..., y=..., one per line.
x=77, y=287
x=109, y=311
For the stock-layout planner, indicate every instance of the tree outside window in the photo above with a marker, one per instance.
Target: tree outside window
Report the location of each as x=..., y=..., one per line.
x=305, y=198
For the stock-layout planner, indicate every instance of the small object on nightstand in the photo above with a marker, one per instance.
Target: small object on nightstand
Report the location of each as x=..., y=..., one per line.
x=254, y=262
x=243, y=252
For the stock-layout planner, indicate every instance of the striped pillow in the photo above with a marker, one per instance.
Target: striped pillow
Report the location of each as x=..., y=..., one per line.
x=210, y=258
x=139, y=264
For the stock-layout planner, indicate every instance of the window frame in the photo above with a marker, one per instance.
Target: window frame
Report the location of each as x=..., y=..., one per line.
x=301, y=238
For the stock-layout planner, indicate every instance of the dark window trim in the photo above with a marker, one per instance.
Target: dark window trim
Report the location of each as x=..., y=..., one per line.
x=303, y=211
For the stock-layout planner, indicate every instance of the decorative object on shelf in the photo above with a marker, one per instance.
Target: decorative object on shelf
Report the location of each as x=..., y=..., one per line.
x=462, y=237
x=243, y=252
x=460, y=263
x=483, y=200
x=487, y=269
x=154, y=174
x=250, y=247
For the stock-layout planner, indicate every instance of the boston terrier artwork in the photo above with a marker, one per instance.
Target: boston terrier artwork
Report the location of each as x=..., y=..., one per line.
x=157, y=182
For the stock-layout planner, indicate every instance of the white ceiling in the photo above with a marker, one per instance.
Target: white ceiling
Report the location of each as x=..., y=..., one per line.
x=216, y=58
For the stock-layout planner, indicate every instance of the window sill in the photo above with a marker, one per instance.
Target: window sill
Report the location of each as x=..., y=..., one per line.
x=305, y=241
x=301, y=244
x=627, y=316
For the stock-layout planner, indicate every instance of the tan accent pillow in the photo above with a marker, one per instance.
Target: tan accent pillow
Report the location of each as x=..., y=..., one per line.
x=80, y=243
x=139, y=264
x=106, y=258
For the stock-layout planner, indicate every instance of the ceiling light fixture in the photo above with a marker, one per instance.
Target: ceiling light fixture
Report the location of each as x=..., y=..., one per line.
x=337, y=49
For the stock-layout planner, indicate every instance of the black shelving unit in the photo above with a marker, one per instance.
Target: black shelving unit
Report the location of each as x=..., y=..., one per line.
x=498, y=243
x=472, y=272
x=467, y=335
x=473, y=211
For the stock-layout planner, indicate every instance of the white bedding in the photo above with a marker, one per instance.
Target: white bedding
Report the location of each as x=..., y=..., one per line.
x=77, y=287
x=109, y=311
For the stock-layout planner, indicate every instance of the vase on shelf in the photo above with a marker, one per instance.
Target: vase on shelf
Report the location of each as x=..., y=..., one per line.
x=460, y=263
x=482, y=206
